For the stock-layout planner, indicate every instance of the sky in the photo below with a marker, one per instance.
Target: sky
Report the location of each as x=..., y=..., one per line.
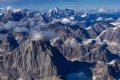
x=50, y=4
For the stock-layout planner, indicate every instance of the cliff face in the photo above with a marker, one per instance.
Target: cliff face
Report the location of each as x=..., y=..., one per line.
x=33, y=60
x=38, y=60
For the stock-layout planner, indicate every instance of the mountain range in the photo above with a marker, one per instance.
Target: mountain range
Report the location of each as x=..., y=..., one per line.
x=59, y=44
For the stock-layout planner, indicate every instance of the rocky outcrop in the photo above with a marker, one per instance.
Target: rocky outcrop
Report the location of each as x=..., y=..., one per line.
x=87, y=53
x=35, y=60
x=98, y=28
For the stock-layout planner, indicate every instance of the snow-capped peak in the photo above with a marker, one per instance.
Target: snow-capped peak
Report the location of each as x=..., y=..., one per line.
x=16, y=10
x=9, y=8
x=56, y=9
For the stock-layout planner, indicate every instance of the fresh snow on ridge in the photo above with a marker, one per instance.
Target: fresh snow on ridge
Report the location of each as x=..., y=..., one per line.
x=101, y=34
x=112, y=62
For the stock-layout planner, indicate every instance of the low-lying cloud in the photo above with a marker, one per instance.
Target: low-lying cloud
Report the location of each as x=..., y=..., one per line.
x=2, y=36
x=10, y=25
x=20, y=29
x=38, y=30
x=66, y=21
x=118, y=20
x=72, y=18
x=43, y=35
x=107, y=19
x=102, y=10
x=99, y=19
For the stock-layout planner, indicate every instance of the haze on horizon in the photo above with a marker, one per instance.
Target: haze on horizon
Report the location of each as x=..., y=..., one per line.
x=74, y=4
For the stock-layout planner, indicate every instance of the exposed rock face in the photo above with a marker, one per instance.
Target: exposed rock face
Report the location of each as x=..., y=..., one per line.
x=67, y=32
x=39, y=60
x=12, y=41
x=87, y=53
x=97, y=28
x=36, y=61
x=111, y=35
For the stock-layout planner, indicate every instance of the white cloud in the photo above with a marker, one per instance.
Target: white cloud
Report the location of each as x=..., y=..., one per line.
x=20, y=29
x=35, y=28
x=102, y=10
x=118, y=20
x=10, y=25
x=107, y=19
x=43, y=35
x=99, y=19
x=2, y=36
x=37, y=36
x=56, y=20
x=66, y=20
x=73, y=22
x=32, y=23
x=23, y=23
x=71, y=18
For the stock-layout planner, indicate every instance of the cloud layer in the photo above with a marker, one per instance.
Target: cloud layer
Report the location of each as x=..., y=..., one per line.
x=38, y=30
x=43, y=35
x=2, y=36
x=20, y=29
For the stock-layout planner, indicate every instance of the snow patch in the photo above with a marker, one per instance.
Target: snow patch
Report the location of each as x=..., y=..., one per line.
x=88, y=41
x=9, y=52
x=54, y=40
x=71, y=41
x=16, y=10
x=112, y=62
x=94, y=77
x=115, y=28
x=117, y=24
x=84, y=15
x=88, y=28
x=110, y=43
x=28, y=45
x=101, y=34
